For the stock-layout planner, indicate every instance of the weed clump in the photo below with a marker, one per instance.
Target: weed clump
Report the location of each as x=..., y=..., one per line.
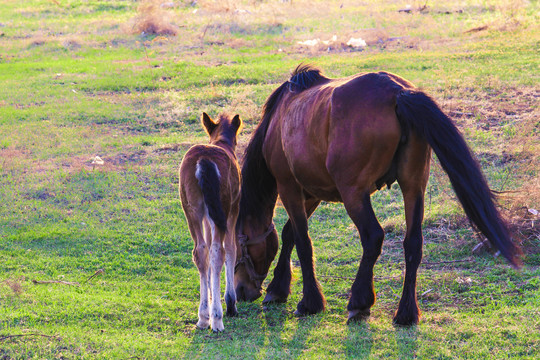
x=153, y=19
x=15, y=286
x=524, y=217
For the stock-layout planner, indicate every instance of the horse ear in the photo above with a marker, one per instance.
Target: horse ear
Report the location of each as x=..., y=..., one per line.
x=208, y=124
x=237, y=123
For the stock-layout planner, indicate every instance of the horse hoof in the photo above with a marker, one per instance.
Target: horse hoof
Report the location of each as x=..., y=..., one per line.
x=272, y=298
x=303, y=310
x=232, y=313
x=358, y=315
x=405, y=321
x=202, y=326
x=217, y=326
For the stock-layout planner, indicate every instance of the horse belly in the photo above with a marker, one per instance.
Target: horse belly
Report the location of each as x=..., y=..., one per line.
x=309, y=170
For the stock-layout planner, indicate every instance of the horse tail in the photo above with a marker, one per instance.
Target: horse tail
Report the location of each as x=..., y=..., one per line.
x=417, y=111
x=208, y=175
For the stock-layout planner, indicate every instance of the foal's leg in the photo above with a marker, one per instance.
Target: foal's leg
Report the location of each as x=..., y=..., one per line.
x=200, y=257
x=313, y=301
x=358, y=206
x=216, y=264
x=279, y=288
x=230, y=262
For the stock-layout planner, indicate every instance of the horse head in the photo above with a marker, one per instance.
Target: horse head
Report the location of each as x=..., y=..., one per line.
x=256, y=248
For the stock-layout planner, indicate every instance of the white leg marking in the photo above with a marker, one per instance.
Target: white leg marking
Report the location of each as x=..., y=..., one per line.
x=204, y=310
x=204, y=277
x=216, y=263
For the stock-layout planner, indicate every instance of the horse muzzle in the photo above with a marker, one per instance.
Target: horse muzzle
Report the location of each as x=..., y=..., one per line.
x=247, y=293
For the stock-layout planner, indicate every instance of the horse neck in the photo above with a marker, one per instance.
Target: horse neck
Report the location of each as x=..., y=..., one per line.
x=225, y=145
x=259, y=196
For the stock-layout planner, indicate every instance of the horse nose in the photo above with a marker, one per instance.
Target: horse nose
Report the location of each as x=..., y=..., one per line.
x=240, y=293
x=244, y=293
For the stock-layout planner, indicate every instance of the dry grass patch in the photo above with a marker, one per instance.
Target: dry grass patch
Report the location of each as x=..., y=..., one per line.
x=39, y=39
x=12, y=159
x=153, y=19
x=219, y=6
x=523, y=213
x=72, y=43
x=15, y=286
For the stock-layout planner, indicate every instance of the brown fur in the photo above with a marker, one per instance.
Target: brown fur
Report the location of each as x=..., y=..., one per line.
x=210, y=252
x=341, y=140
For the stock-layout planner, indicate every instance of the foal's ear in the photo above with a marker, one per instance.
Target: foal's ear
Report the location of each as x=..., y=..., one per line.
x=208, y=123
x=237, y=123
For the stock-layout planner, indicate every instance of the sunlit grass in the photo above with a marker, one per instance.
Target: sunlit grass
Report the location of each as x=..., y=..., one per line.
x=77, y=83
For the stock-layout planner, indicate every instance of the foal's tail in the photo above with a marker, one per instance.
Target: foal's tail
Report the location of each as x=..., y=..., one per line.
x=208, y=175
x=417, y=111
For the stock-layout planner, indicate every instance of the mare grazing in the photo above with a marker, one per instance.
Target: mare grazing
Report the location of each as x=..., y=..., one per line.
x=341, y=140
x=210, y=194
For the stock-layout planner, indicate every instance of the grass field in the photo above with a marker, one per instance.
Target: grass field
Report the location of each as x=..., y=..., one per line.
x=81, y=79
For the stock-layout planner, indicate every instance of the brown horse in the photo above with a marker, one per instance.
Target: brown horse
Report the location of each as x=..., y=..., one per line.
x=340, y=140
x=210, y=194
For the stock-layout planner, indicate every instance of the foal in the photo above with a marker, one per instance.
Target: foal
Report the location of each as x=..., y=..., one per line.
x=210, y=194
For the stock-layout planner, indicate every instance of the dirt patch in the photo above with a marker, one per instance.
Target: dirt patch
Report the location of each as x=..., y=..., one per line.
x=173, y=148
x=374, y=39
x=124, y=158
x=40, y=194
x=12, y=159
x=11, y=154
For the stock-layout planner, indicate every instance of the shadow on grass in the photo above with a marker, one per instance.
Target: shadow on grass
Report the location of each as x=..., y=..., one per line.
x=273, y=333
x=287, y=335
x=359, y=341
x=407, y=342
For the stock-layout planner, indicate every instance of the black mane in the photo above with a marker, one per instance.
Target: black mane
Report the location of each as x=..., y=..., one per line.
x=259, y=188
x=304, y=77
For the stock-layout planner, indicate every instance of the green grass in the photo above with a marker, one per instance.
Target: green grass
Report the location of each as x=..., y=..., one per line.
x=77, y=84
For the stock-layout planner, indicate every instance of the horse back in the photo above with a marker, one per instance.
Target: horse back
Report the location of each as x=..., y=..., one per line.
x=340, y=131
x=229, y=177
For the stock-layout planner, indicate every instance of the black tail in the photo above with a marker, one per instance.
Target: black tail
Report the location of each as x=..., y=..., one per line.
x=420, y=113
x=208, y=176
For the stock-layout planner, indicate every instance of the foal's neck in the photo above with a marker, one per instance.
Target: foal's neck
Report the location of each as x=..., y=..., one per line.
x=225, y=145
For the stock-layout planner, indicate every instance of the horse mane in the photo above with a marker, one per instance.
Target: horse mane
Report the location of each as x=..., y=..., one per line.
x=304, y=77
x=259, y=188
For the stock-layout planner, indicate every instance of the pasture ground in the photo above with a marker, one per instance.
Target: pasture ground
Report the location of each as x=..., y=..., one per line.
x=81, y=79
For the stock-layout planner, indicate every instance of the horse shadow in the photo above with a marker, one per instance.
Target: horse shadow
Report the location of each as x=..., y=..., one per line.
x=278, y=320
x=359, y=341
x=407, y=342
x=275, y=327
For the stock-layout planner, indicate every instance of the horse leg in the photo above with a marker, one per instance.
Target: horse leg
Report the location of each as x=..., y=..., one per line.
x=358, y=206
x=200, y=258
x=313, y=300
x=279, y=288
x=412, y=177
x=216, y=264
x=230, y=261
x=408, y=312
